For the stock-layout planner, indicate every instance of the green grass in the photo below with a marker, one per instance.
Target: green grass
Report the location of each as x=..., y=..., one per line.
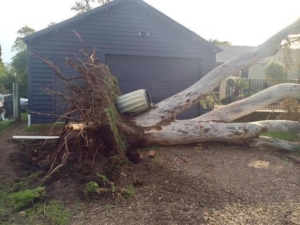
x=5, y=124
x=3, y=208
x=292, y=137
x=54, y=211
x=26, y=197
x=37, y=128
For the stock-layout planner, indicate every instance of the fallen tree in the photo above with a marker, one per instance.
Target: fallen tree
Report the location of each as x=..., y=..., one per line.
x=101, y=131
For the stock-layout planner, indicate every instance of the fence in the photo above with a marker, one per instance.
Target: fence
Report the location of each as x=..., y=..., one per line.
x=239, y=88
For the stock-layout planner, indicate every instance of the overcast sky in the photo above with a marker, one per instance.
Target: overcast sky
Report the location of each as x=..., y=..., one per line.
x=242, y=22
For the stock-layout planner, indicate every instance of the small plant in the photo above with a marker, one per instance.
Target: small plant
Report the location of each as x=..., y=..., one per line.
x=209, y=101
x=109, y=206
x=91, y=188
x=128, y=191
x=26, y=197
x=103, y=177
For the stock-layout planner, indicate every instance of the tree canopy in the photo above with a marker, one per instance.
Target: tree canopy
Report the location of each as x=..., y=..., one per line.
x=86, y=5
x=19, y=45
x=1, y=62
x=16, y=71
x=218, y=42
x=275, y=71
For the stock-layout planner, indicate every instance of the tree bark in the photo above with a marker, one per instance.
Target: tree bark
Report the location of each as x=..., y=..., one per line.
x=195, y=130
x=275, y=143
x=161, y=127
x=248, y=105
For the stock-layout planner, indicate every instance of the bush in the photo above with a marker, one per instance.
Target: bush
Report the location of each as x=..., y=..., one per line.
x=275, y=71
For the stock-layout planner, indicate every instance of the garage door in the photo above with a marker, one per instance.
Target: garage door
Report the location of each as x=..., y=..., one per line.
x=161, y=76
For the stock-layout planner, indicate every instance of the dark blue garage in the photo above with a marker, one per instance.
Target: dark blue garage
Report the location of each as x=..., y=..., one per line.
x=143, y=48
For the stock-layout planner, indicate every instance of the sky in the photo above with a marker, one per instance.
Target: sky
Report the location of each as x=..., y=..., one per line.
x=241, y=22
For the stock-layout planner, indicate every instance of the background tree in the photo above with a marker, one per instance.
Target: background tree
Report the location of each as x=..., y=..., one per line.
x=218, y=42
x=19, y=45
x=86, y=5
x=1, y=62
x=51, y=24
x=4, y=77
x=275, y=71
x=7, y=77
x=17, y=72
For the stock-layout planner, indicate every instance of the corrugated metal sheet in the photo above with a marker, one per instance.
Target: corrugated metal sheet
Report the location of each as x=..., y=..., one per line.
x=162, y=77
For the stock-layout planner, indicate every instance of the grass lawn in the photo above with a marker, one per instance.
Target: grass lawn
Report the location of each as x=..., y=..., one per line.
x=292, y=137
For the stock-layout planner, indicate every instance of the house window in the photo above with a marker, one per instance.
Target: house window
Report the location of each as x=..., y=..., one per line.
x=244, y=72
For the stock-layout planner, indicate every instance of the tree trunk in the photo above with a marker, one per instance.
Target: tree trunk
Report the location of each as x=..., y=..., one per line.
x=101, y=130
x=168, y=109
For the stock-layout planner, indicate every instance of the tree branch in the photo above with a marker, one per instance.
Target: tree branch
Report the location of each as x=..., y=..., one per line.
x=195, y=130
x=257, y=101
x=275, y=143
x=174, y=105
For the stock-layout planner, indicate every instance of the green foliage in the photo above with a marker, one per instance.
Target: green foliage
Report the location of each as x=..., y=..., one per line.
x=91, y=188
x=275, y=71
x=209, y=101
x=218, y=42
x=86, y=5
x=26, y=197
x=103, y=177
x=1, y=62
x=19, y=71
x=3, y=208
x=54, y=211
x=128, y=192
x=23, y=32
x=6, y=79
x=51, y=24
x=4, y=125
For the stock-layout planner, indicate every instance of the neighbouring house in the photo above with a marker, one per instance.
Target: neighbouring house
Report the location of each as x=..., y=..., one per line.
x=255, y=71
x=143, y=48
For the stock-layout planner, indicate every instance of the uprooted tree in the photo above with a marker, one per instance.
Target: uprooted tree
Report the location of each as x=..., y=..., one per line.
x=95, y=128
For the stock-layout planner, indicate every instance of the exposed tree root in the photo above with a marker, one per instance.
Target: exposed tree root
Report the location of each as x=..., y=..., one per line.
x=97, y=129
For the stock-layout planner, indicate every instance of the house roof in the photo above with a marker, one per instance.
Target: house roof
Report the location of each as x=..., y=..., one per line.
x=232, y=51
x=105, y=7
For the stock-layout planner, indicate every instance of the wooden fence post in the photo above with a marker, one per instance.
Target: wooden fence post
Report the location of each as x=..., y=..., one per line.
x=16, y=102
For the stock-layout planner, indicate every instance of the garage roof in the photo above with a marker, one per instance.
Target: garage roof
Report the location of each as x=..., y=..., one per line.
x=105, y=7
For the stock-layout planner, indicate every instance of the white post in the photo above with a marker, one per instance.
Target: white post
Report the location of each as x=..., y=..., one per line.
x=29, y=120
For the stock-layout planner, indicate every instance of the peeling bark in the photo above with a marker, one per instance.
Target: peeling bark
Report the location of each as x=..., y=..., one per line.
x=248, y=105
x=195, y=130
x=275, y=143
